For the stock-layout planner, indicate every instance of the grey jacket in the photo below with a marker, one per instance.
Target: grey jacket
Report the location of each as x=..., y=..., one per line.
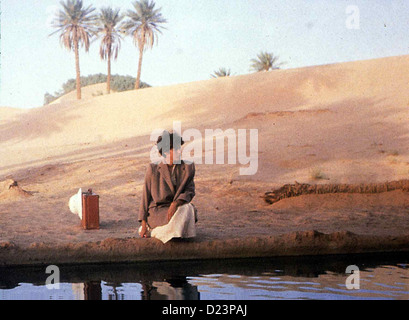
x=158, y=191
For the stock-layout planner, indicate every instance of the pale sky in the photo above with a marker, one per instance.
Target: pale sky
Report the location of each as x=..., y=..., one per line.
x=201, y=37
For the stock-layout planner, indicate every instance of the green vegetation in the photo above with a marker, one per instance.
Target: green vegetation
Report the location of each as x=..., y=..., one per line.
x=108, y=20
x=222, y=72
x=265, y=62
x=118, y=84
x=76, y=26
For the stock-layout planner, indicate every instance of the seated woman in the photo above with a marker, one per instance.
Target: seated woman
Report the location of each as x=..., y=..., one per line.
x=165, y=211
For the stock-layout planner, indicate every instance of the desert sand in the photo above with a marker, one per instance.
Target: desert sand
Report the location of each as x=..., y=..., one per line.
x=344, y=123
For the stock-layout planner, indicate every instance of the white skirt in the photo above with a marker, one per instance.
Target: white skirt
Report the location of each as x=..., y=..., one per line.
x=182, y=225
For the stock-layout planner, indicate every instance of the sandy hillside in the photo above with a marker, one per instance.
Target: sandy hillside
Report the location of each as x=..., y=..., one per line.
x=343, y=117
x=341, y=123
x=88, y=92
x=7, y=114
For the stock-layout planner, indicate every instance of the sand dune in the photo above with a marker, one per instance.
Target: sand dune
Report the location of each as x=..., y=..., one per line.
x=87, y=92
x=8, y=114
x=365, y=121
x=340, y=123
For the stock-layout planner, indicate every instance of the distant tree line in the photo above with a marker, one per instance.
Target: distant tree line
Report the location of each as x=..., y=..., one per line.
x=79, y=25
x=118, y=84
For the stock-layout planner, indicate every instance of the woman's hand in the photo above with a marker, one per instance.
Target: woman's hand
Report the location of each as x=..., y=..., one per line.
x=172, y=210
x=144, y=230
x=174, y=207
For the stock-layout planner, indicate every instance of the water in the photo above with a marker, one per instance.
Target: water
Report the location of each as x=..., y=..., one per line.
x=381, y=277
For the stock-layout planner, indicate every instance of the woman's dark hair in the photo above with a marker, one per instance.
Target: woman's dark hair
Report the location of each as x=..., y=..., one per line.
x=167, y=141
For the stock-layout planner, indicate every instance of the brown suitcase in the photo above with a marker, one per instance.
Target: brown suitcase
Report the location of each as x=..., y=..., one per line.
x=90, y=211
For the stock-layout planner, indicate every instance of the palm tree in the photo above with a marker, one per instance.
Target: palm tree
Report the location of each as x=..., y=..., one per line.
x=265, y=61
x=222, y=72
x=111, y=40
x=143, y=25
x=76, y=25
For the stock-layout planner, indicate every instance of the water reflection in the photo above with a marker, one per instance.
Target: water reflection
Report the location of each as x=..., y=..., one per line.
x=382, y=277
x=170, y=289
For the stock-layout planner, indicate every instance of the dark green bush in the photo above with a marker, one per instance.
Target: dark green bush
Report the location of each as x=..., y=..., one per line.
x=118, y=83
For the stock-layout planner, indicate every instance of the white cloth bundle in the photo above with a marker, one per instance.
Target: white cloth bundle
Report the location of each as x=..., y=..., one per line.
x=182, y=225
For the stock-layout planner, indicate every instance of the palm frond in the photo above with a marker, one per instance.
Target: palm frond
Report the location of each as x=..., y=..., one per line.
x=222, y=72
x=75, y=22
x=108, y=30
x=144, y=23
x=265, y=61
